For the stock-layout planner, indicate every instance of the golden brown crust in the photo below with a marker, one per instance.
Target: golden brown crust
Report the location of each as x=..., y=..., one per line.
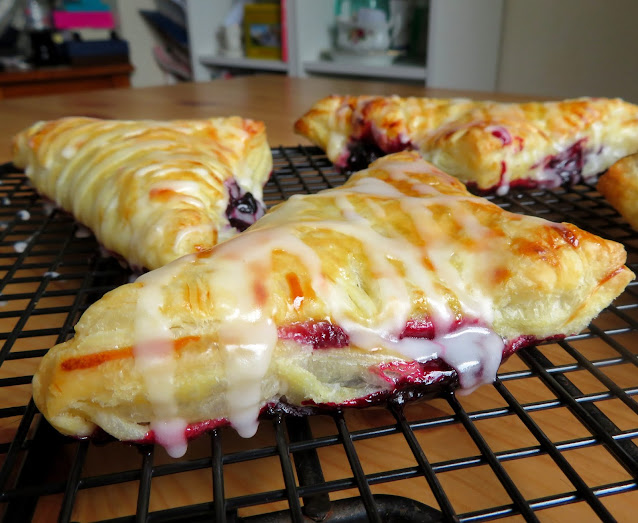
x=401, y=244
x=150, y=191
x=619, y=185
x=486, y=144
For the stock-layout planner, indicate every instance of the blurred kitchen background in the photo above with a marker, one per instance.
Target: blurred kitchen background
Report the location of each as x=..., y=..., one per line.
x=563, y=48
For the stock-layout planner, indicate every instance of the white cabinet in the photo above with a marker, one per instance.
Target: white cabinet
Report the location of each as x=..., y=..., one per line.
x=463, y=44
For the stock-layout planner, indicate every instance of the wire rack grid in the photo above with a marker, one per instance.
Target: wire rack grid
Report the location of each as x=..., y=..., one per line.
x=553, y=439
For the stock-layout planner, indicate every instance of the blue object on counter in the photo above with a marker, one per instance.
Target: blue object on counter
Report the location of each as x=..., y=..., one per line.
x=84, y=5
x=94, y=52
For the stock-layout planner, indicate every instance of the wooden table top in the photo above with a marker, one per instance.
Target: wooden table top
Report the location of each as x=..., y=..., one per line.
x=278, y=101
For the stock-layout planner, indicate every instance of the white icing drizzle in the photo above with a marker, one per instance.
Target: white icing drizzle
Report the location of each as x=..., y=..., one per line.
x=375, y=186
x=393, y=292
x=205, y=153
x=441, y=254
x=21, y=246
x=479, y=345
x=475, y=353
x=247, y=333
x=248, y=347
x=504, y=188
x=155, y=360
x=171, y=434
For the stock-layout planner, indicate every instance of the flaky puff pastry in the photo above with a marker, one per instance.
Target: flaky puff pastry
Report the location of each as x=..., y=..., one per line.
x=150, y=191
x=488, y=145
x=395, y=283
x=619, y=186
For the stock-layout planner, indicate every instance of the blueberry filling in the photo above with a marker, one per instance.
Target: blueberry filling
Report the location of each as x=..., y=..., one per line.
x=567, y=164
x=406, y=380
x=362, y=154
x=243, y=208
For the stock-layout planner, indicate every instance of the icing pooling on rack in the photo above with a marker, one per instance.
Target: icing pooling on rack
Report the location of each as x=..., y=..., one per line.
x=248, y=333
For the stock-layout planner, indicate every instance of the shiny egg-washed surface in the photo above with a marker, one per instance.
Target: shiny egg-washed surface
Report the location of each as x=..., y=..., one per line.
x=490, y=146
x=619, y=185
x=402, y=260
x=524, y=446
x=150, y=191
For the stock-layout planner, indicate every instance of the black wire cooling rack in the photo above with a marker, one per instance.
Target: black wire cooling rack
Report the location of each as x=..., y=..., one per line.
x=553, y=439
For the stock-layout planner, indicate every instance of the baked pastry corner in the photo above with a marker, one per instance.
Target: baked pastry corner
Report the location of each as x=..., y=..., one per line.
x=619, y=186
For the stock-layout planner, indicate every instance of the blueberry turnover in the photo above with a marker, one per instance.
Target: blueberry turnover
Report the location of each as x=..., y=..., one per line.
x=487, y=145
x=619, y=185
x=150, y=191
x=398, y=284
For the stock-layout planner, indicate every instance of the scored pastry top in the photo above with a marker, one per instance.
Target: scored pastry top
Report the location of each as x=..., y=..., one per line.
x=398, y=278
x=619, y=186
x=490, y=146
x=150, y=191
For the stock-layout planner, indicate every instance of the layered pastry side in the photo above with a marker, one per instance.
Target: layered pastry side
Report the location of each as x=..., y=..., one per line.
x=150, y=191
x=489, y=146
x=396, y=285
x=619, y=186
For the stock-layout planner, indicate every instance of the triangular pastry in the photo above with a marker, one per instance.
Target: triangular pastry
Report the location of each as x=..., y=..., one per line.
x=490, y=146
x=398, y=282
x=150, y=191
x=619, y=185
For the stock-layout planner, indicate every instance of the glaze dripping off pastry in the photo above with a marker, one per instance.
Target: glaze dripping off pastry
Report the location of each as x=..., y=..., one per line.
x=489, y=146
x=398, y=283
x=150, y=191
